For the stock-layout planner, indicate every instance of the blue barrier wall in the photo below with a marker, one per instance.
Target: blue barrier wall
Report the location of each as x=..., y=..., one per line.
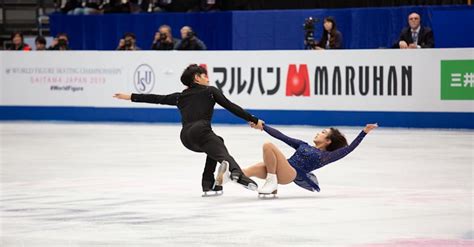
x=362, y=28
x=463, y=120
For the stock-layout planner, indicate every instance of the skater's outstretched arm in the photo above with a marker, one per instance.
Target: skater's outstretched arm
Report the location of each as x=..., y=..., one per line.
x=328, y=157
x=227, y=104
x=294, y=143
x=170, y=99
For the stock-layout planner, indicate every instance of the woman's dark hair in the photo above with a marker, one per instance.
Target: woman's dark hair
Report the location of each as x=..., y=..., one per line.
x=332, y=32
x=338, y=140
x=187, y=78
x=19, y=34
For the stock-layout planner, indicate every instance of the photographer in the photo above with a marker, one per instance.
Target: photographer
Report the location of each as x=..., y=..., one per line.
x=60, y=43
x=128, y=43
x=164, y=39
x=190, y=41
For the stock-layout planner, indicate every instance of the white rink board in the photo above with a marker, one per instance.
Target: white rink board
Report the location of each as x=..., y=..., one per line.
x=89, y=78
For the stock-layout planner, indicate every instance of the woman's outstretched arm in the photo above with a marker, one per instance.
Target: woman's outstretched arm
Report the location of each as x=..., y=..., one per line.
x=294, y=143
x=329, y=157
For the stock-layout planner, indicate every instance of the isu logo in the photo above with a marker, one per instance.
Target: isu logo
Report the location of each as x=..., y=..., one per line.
x=297, y=81
x=144, y=78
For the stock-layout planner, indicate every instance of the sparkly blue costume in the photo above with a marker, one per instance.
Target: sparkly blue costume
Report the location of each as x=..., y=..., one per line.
x=308, y=158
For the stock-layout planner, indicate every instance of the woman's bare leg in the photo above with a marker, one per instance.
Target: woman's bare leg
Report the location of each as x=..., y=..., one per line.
x=258, y=170
x=276, y=163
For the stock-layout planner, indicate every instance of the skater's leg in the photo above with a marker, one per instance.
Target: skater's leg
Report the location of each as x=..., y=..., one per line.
x=214, y=147
x=209, y=168
x=208, y=174
x=276, y=163
x=258, y=170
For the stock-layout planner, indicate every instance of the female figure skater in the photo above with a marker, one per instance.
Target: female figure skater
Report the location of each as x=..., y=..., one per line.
x=196, y=105
x=329, y=146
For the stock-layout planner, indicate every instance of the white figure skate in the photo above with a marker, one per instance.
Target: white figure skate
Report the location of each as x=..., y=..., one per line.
x=269, y=189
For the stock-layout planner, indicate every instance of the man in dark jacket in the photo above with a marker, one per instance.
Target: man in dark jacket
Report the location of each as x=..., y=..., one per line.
x=415, y=36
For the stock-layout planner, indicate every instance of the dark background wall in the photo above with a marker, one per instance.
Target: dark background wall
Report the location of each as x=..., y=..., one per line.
x=362, y=28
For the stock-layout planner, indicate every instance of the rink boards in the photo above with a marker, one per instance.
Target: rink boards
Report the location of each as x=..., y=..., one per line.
x=416, y=88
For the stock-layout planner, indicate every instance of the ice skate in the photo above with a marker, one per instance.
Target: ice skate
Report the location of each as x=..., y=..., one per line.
x=210, y=189
x=223, y=174
x=240, y=178
x=269, y=189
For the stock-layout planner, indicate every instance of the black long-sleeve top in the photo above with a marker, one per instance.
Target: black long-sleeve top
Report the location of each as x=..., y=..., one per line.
x=196, y=103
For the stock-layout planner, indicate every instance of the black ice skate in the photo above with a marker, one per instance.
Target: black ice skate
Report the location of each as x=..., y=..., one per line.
x=240, y=178
x=210, y=189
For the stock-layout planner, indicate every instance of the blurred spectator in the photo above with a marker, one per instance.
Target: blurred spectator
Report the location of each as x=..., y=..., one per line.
x=88, y=7
x=128, y=43
x=60, y=43
x=189, y=40
x=415, y=36
x=210, y=5
x=70, y=6
x=18, y=42
x=40, y=43
x=164, y=39
x=116, y=6
x=331, y=38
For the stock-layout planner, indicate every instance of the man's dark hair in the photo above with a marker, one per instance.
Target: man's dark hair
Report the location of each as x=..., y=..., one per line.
x=187, y=78
x=41, y=40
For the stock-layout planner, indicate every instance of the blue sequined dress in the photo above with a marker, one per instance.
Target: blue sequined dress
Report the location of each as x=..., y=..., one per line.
x=308, y=158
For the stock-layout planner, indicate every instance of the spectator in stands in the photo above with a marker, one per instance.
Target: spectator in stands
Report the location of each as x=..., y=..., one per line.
x=190, y=41
x=116, y=6
x=415, y=36
x=40, y=43
x=18, y=42
x=128, y=43
x=60, y=43
x=164, y=39
x=331, y=37
x=88, y=7
x=70, y=6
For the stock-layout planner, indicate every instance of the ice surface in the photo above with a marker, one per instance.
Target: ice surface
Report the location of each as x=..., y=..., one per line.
x=80, y=184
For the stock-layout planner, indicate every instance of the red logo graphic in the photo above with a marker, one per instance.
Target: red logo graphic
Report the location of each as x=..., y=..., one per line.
x=297, y=81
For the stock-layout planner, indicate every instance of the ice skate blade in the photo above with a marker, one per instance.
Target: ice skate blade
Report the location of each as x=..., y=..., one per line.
x=212, y=193
x=272, y=195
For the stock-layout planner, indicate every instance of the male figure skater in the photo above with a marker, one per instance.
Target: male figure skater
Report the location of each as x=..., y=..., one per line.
x=196, y=105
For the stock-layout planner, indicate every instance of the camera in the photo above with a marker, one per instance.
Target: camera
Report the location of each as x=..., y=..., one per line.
x=190, y=35
x=308, y=27
x=62, y=44
x=128, y=44
x=163, y=37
